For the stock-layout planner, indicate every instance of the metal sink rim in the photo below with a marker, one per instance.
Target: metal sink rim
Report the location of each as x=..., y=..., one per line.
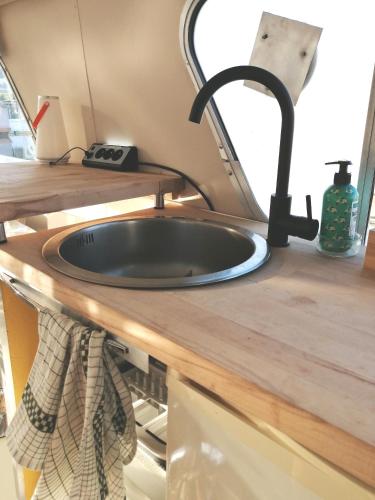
x=52, y=256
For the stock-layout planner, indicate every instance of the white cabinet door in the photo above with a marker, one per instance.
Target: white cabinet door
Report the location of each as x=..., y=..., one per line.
x=214, y=454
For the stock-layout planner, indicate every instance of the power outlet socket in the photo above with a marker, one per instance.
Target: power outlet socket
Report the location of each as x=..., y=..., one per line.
x=106, y=156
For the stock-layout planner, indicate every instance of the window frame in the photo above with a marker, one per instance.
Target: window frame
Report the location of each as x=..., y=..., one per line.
x=366, y=176
x=227, y=152
x=19, y=98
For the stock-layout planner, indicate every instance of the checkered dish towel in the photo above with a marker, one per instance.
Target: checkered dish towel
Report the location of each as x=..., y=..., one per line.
x=76, y=421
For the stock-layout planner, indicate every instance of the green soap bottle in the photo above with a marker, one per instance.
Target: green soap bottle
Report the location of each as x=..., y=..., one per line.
x=338, y=235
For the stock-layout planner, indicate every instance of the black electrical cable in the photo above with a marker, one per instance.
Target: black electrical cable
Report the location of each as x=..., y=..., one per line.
x=55, y=162
x=184, y=176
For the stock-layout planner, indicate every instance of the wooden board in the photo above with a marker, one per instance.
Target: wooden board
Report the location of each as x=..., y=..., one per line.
x=292, y=344
x=370, y=251
x=30, y=188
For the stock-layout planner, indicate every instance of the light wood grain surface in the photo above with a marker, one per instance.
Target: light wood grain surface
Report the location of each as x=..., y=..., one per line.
x=370, y=251
x=30, y=188
x=293, y=343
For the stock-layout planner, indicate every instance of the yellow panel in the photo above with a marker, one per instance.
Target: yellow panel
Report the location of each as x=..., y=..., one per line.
x=22, y=331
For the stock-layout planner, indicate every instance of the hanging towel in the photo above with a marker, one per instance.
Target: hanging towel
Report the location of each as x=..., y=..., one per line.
x=75, y=422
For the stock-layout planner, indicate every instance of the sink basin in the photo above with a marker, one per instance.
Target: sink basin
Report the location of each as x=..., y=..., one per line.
x=156, y=252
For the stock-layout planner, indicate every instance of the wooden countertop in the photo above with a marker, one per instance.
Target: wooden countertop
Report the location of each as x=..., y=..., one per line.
x=292, y=344
x=32, y=188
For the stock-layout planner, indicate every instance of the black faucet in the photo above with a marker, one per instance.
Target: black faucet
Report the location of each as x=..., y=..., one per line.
x=281, y=222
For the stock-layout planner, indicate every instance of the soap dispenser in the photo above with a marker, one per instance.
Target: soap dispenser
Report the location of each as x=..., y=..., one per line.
x=338, y=237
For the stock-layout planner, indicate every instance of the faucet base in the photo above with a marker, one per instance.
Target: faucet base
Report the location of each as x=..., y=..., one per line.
x=279, y=211
x=282, y=223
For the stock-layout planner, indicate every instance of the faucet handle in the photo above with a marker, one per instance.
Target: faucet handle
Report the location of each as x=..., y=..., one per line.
x=308, y=207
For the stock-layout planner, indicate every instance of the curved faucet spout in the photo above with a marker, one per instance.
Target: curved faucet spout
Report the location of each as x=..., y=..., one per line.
x=281, y=222
x=278, y=89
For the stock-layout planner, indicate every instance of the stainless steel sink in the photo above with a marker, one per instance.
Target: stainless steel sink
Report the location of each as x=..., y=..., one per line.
x=156, y=252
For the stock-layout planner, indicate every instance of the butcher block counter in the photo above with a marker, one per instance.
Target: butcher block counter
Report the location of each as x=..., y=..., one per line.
x=33, y=188
x=292, y=344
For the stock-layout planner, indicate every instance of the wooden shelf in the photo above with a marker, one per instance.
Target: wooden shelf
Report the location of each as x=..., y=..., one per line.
x=32, y=188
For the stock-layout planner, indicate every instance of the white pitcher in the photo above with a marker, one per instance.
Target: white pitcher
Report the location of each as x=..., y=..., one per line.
x=51, y=140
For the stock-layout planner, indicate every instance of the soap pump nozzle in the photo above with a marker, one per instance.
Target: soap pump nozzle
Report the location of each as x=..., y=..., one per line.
x=343, y=176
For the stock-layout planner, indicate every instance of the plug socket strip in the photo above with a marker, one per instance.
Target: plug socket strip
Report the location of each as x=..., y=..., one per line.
x=106, y=156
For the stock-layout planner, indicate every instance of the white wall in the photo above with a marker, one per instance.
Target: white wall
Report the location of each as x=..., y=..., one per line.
x=118, y=69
